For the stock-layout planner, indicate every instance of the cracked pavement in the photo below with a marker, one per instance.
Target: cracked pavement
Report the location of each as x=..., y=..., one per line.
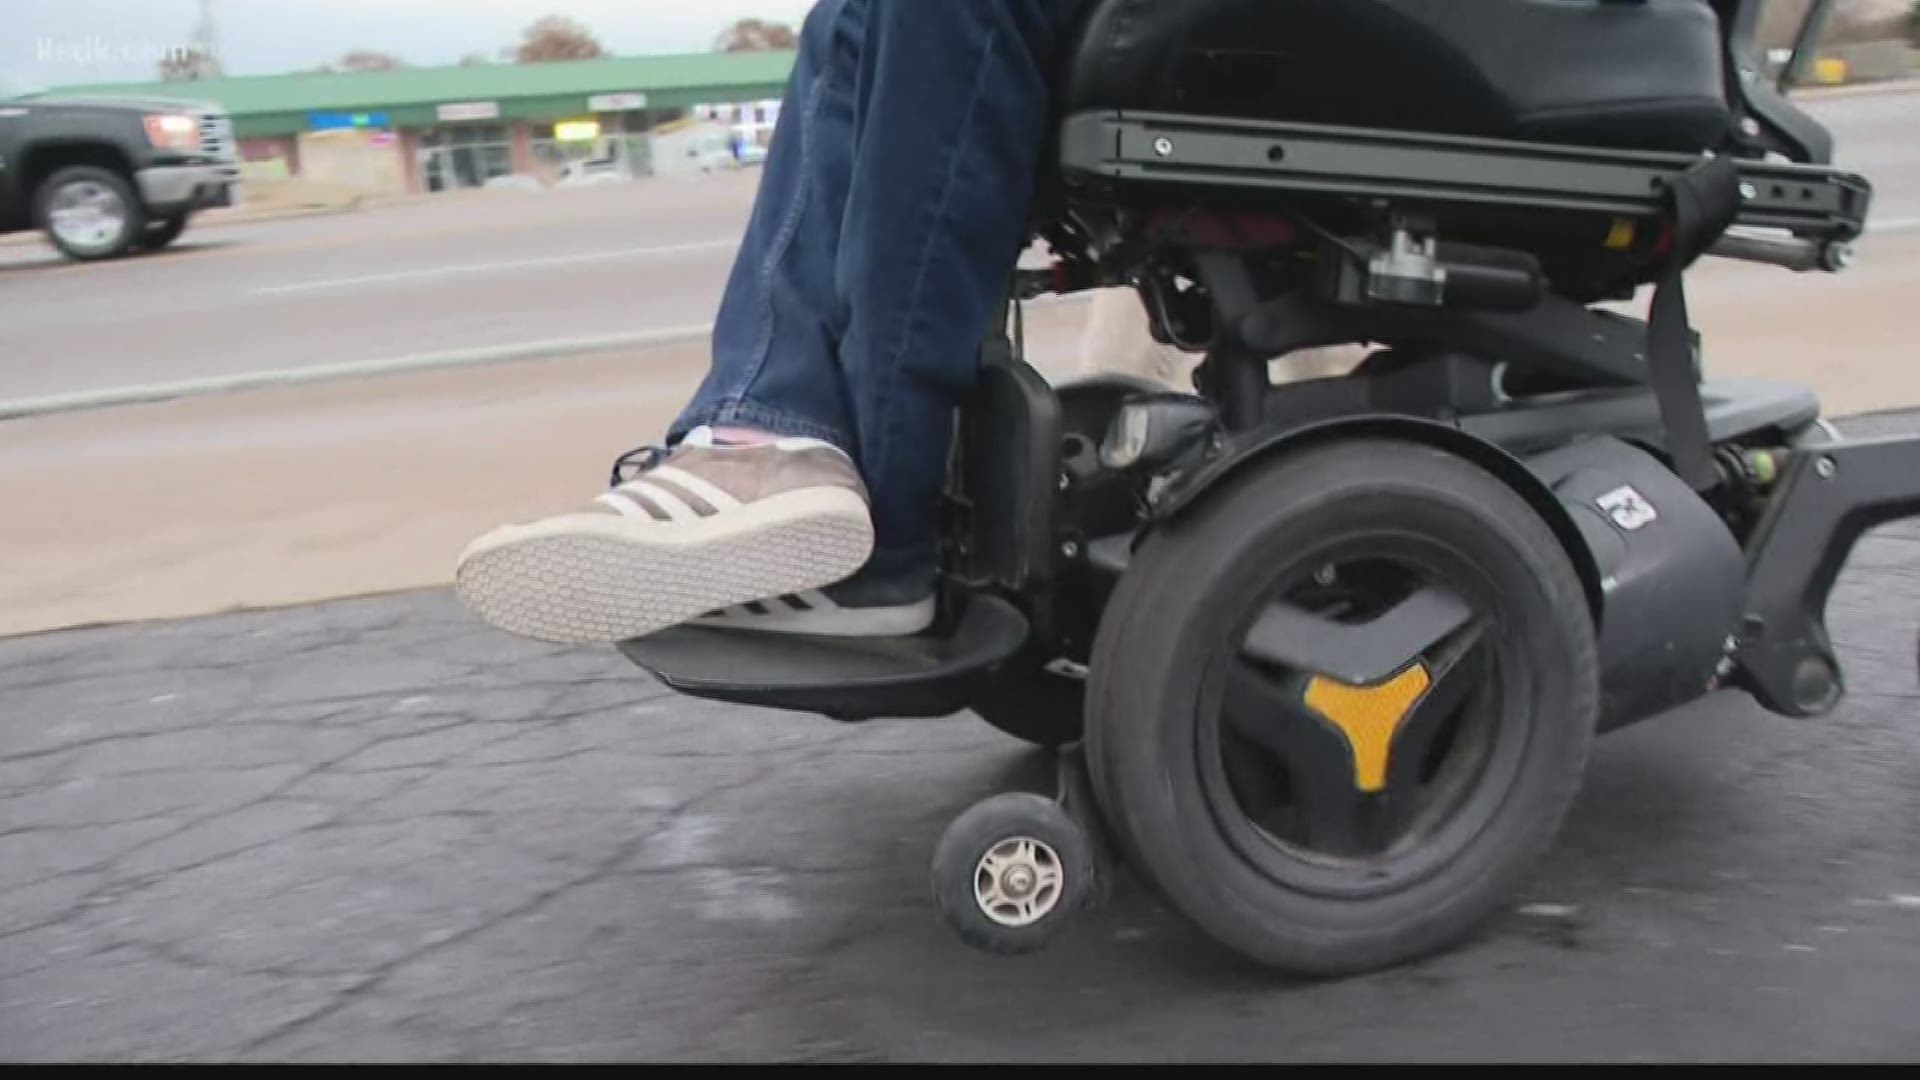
x=373, y=829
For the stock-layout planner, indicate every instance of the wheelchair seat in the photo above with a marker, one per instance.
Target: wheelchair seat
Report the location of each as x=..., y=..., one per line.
x=1624, y=74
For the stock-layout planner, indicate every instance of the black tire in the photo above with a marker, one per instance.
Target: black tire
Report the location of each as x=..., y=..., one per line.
x=132, y=216
x=957, y=863
x=163, y=232
x=1172, y=619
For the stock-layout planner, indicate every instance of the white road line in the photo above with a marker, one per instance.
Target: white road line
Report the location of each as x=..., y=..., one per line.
x=1893, y=225
x=494, y=267
x=77, y=400
x=255, y=380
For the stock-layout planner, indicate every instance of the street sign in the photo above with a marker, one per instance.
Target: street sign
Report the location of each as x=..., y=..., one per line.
x=616, y=102
x=333, y=121
x=469, y=110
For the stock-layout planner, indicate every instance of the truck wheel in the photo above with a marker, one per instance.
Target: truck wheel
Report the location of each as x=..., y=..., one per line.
x=163, y=232
x=90, y=213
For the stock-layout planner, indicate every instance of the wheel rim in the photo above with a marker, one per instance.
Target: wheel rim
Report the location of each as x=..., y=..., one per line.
x=1353, y=791
x=1018, y=882
x=87, y=214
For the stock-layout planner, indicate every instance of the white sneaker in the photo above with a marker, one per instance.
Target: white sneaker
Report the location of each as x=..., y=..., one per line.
x=703, y=529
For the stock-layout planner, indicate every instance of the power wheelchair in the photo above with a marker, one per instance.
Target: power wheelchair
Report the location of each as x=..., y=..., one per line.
x=1324, y=660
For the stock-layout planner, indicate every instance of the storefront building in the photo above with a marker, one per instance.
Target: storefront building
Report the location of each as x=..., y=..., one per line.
x=449, y=128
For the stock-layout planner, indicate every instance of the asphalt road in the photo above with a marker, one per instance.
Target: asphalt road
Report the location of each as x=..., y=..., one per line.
x=472, y=270
x=375, y=830
x=505, y=268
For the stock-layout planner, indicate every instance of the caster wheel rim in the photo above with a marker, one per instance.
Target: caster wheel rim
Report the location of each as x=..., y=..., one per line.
x=1351, y=792
x=1018, y=882
x=1012, y=873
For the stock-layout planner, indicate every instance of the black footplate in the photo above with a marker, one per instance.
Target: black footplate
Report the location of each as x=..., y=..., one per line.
x=929, y=676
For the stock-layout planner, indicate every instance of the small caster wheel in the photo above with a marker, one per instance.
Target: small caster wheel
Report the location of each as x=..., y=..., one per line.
x=1011, y=872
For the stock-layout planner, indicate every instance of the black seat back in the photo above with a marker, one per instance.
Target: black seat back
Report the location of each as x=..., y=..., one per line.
x=1638, y=74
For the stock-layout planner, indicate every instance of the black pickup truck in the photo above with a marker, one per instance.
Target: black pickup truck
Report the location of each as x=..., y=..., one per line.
x=106, y=176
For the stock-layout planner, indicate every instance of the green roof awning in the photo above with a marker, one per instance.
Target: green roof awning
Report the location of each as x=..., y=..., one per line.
x=267, y=104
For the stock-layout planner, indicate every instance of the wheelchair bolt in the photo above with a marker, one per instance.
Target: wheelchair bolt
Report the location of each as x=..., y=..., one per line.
x=1825, y=467
x=1065, y=481
x=1163, y=146
x=1325, y=576
x=1071, y=549
x=1748, y=191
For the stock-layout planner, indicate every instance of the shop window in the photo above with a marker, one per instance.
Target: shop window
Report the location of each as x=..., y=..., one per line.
x=464, y=156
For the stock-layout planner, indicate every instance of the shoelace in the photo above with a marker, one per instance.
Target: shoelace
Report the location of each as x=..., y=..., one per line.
x=641, y=458
x=634, y=462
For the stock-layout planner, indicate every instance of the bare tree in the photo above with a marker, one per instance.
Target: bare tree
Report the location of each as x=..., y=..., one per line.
x=369, y=60
x=557, y=37
x=187, y=64
x=754, y=35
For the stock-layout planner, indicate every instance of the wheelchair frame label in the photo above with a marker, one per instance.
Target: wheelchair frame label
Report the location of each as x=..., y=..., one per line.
x=1628, y=509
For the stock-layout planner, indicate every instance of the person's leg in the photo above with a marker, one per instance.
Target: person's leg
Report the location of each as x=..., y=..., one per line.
x=775, y=340
x=953, y=112
x=709, y=525
x=850, y=325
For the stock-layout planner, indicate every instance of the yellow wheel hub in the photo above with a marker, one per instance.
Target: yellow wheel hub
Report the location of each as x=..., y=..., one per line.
x=1369, y=717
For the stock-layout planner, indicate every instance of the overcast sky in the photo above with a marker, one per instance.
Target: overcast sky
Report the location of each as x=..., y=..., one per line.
x=51, y=42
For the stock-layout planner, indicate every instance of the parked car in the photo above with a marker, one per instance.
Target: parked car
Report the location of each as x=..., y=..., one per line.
x=591, y=171
x=514, y=182
x=107, y=176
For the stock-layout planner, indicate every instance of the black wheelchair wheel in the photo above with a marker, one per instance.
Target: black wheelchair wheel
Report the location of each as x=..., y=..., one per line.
x=1312, y=825
x=1012, y=873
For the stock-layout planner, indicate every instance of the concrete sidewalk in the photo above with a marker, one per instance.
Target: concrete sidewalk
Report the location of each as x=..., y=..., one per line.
x=290, y=495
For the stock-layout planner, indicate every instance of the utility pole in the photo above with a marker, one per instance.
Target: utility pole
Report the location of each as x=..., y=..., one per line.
x=206, y=38
x=1806, y=45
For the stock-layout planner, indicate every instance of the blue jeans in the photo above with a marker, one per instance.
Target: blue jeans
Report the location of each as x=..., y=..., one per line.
x=892, y=209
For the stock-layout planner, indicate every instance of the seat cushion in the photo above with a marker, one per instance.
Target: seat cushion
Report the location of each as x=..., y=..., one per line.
x=1630, y=74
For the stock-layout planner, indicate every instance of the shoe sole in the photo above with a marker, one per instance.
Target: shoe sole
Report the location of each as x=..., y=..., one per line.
x=585, y=579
